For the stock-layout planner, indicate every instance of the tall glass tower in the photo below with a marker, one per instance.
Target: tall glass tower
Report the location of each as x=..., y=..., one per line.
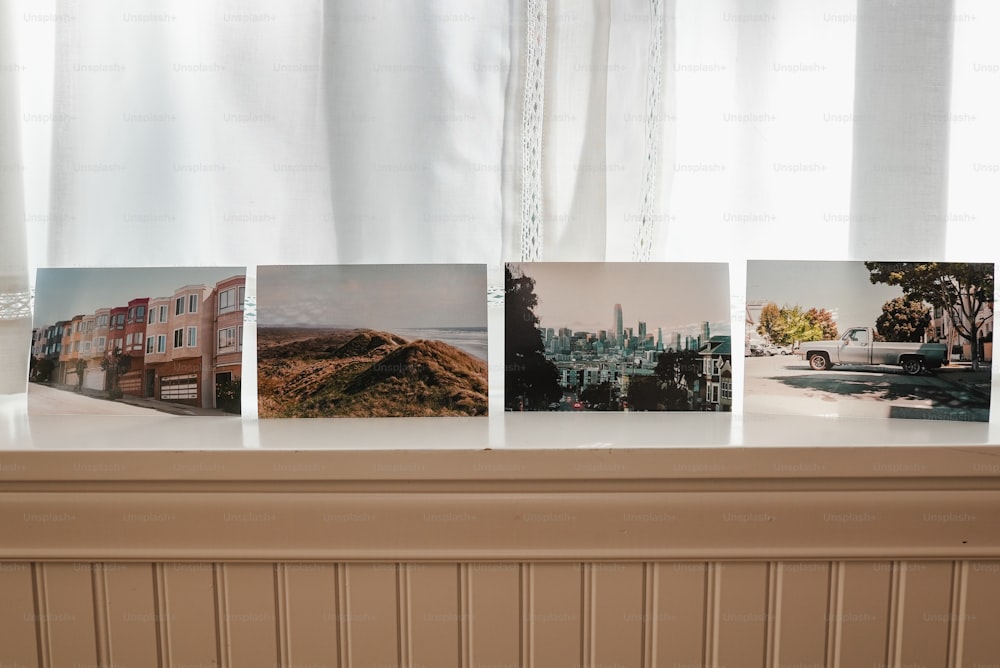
x=619, y=325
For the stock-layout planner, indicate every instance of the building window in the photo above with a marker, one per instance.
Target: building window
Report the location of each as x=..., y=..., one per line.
x=161, y=343
x=240, y=297
x=713, y=392
x=149, y=345
x=152, y=315
x=239, y=337
x=86, y=346
x=102, y=321
x=163, y=313
x=727, y=389
x=131, y=315
x=178, y=338
x=227, y=300
x=192, y=303
x=192, y=337
x=128, y=340
x=100, y=343
x=140, y=313
x=179, y=306
x=227, y=338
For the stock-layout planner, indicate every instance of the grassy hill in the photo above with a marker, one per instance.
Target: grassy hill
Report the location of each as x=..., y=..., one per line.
x=365, y=373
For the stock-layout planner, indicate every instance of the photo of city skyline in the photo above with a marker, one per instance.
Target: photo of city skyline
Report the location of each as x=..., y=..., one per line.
x=617, y=336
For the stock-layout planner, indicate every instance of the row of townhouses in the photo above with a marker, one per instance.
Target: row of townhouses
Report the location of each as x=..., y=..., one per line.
x=184, y=348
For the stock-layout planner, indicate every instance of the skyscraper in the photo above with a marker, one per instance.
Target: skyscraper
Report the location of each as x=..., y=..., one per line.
x=659, y=339
x=705, y=334
x=619, y=324
x=642, y=330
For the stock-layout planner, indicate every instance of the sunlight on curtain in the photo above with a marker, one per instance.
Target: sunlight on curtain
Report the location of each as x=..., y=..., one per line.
x=974, y=157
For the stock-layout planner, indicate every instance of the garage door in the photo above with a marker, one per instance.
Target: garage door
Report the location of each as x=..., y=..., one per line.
x=93, y=379
x=179, y=387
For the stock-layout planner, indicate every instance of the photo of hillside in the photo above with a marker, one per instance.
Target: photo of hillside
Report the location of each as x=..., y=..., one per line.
x=371, y=341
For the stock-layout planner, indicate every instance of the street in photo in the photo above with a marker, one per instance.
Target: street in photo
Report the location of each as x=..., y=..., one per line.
x=586, y=337
x=134, y=341
x=869, y=339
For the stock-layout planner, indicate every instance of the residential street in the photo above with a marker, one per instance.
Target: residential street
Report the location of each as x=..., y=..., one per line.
x=43, y=400
x=784, y=384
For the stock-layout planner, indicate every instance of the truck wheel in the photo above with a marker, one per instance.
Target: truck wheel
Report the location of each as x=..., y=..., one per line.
x=913, y=366
x=819, y=362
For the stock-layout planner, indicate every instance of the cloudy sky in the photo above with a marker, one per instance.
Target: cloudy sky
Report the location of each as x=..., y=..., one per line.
x=61, y=294
x=840, y=287
x=372, y=296
x=676, y=296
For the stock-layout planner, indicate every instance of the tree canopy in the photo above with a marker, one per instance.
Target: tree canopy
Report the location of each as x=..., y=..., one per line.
x=787, y=324
x=531, y=382
x=903, y=320
x=964, y=290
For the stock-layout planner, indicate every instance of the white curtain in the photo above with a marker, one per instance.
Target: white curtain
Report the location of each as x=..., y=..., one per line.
x=175, y=133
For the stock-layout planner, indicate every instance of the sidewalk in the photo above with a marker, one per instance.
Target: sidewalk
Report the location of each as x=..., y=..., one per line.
x=961, y=375
x=171, y=408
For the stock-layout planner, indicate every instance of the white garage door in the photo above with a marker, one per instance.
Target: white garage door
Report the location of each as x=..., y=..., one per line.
x=179, y=387
x=93, y=379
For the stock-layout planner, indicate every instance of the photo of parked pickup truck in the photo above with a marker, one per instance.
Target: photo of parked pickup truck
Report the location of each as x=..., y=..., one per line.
x=858, y=345
x=869, y=339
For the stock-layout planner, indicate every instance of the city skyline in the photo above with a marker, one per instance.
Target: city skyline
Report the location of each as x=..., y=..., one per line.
x=675, y=297
x=375, y=296
x=62, y=293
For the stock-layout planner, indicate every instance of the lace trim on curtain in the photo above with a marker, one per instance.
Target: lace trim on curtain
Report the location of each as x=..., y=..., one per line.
x=14, y=305
x=531, y=131
x=644, y=235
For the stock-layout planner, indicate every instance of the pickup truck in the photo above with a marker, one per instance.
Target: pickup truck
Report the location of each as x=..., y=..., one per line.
x=857, y=346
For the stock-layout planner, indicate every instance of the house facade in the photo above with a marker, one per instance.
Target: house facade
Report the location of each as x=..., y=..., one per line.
x=182, y=348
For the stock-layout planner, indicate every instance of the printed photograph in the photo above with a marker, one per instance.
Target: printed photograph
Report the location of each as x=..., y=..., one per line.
x=371, y=341
x=869, y=339
x=595, y=336
x=137, y=341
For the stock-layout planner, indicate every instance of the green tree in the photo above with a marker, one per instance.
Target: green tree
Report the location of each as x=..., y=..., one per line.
x=678, y=371
x=798, y=326
x=603, y=396
x=531, y=382
x=772, y=325
x=823, y=319
x=81, y=368
x=645, y=394
x=903, y=320
x=116, y=364
x=964, y=290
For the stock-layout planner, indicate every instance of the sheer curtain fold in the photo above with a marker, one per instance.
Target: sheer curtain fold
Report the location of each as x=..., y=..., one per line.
x=15, y=314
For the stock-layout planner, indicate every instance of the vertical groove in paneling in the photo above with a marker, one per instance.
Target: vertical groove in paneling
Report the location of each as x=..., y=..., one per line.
x=650, y=612
x=41, y=615
x=162, y=609
x=897, y=595
x=712, y=582
x=527, y=606
x=464, y=616
x=102, y=638
x=221, y=615
x=956, y=612
x=834, y=614
x=404, y=647
x=281, y=620
x=586, y=615
x=772, y=614
x=343, y=616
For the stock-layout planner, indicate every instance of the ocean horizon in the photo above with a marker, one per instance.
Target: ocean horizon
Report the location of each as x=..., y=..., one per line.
x=472, y=340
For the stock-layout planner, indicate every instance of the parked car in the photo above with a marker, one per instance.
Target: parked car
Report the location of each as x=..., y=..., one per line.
x=858, y=346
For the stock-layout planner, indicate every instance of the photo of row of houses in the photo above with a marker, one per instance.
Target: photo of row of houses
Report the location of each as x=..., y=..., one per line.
x=185, y=347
